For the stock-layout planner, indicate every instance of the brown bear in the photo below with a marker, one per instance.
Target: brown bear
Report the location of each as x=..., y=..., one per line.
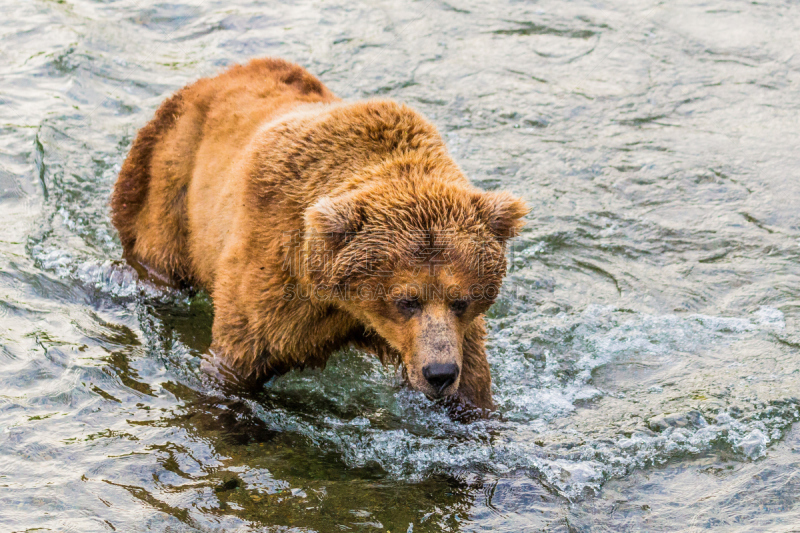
x=315, y=224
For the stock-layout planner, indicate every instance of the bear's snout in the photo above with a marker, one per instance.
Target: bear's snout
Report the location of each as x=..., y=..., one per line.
x=441, y=376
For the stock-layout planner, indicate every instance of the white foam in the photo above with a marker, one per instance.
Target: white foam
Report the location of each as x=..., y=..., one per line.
x=115, y=278
x=533, y=396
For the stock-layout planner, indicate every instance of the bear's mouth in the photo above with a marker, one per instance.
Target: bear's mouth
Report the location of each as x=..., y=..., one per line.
x=439, y=393
x=444, y=386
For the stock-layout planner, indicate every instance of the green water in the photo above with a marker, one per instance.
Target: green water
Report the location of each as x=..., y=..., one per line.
x=645, y=350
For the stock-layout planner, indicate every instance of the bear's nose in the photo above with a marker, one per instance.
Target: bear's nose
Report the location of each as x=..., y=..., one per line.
x=440, y=376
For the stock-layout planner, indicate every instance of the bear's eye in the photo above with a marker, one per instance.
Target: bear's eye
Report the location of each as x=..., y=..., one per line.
x=459, y=306
x=408, y=305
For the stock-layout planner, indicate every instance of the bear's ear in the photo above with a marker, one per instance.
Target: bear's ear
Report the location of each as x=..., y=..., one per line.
x=502, y=213
x=335, y=218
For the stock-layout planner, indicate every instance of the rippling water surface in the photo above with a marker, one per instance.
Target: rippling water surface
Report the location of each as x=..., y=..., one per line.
x=645, y=350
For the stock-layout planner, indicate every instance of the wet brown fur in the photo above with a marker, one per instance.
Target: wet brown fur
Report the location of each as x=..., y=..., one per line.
x=295, y=209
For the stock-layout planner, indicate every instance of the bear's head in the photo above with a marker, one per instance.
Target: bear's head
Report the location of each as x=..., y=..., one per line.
x=416, y=262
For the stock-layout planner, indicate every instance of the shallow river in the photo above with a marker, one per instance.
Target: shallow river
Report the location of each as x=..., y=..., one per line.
x=645, y=350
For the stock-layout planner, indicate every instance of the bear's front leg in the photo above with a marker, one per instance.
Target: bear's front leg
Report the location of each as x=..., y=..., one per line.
x=256, y=331
x=474, y=395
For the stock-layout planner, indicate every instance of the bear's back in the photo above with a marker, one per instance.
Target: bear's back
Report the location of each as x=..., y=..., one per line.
x=205, y=124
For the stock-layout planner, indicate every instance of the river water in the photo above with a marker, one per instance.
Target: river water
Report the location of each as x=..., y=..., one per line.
x=645, y=349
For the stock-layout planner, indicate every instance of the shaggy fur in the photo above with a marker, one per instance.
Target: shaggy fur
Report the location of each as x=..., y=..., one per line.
x=313, y=223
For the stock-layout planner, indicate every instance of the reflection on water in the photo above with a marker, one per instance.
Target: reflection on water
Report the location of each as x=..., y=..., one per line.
x=644, y=350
